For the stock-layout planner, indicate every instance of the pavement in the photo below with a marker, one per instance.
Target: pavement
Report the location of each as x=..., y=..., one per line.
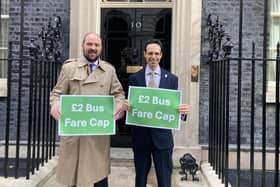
x=122, y=175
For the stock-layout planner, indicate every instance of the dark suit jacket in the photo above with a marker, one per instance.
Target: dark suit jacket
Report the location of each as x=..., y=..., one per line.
x=144, y=137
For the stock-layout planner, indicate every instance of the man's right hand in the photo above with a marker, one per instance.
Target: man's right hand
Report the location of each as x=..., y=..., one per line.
x=55, y=112
x=125, y=105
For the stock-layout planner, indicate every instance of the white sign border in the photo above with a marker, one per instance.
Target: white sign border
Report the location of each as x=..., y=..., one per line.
x=98, y=134
x=149, y=126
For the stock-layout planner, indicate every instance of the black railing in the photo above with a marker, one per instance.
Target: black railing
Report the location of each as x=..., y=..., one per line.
x=219, y=122
x=226, y=85
x=35, y=140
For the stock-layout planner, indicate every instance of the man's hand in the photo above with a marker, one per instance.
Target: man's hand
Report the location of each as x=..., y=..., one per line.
x=125, y=105
x=120, y=111
x=55, y=112
x=184, y=108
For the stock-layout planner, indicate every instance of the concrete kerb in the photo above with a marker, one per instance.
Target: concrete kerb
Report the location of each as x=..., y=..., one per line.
x=35, y=180
x=210, y=176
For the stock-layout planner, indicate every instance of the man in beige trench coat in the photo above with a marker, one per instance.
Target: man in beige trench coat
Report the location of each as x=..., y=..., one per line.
x=85, y=160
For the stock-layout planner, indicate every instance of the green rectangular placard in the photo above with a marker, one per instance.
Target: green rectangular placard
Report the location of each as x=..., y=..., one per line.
x=153, y=107
x=86, y=115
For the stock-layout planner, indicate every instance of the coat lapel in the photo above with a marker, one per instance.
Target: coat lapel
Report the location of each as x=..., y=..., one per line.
x=141, y=80
x=163, y=78
x=97, y=74
x=80, y=73
x=93, y=77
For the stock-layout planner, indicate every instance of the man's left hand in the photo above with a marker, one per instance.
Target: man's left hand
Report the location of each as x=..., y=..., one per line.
x=184, y=108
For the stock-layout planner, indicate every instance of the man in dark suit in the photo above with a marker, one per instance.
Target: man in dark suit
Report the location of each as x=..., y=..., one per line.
x=156, y=143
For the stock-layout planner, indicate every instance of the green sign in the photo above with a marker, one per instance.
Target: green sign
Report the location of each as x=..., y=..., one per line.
x=86, y=115
x=152, y=107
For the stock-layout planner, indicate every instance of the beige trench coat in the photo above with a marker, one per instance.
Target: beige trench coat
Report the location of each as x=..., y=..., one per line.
x=84, y=160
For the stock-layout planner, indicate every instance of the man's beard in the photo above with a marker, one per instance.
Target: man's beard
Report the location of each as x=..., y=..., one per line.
x=86, y=55
x=91, y=60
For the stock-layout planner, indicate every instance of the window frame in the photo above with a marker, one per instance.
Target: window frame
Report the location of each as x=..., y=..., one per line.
x=3, y=79
x=271, y=83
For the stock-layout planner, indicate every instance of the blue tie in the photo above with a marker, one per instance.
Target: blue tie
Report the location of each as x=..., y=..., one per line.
x=92, y=67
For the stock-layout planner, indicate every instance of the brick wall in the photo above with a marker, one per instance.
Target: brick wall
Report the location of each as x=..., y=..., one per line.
x=36, y=15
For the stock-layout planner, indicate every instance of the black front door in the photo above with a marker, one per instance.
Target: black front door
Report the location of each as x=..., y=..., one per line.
x=124, y=32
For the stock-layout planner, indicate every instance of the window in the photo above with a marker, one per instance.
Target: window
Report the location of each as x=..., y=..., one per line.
x=274, y=36
x=4, y=38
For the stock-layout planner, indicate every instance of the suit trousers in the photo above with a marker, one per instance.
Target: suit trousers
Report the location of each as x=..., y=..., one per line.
x=102, y=183
x=162, y=162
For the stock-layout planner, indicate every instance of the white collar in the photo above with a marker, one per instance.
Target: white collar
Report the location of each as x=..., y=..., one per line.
x=148, y=70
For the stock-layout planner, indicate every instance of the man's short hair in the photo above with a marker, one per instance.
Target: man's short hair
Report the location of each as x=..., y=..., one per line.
x=153, y=41
x=89, y=33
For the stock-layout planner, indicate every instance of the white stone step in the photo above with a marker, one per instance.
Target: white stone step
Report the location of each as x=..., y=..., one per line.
x=124, y=177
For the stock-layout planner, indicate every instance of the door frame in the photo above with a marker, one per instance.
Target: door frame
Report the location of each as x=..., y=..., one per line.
x=185, y=44
x=84, y=11
x=136, y=5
